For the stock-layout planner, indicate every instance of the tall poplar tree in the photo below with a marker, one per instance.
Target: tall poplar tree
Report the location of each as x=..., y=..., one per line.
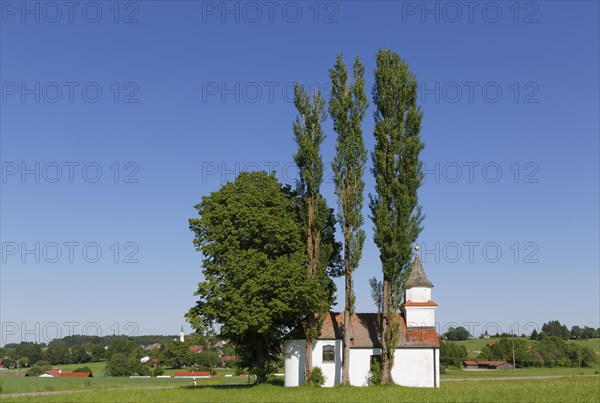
x=398, y=174
x=347, y=106
x=309, y=137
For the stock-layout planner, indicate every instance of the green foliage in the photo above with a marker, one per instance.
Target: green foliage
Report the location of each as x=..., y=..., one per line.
x=375, y=372
x=119, y=365
x=79, y=354
x=208, y=359
x=38, y=368
x=124, y=345
x=548, y=352
x=377, y=293
x=33, y=351
x=316, y=377
x=9, y=363
x=590, y=332
x=458, y=333
x=555, y=329
x=83, y=369
x=451, y=354
x=534, y=335
x=228, y=350
x=313, y=210
x=143, y=370
x=158, y=371
x=77, y=339
x=576, y=332
x=502, y=350
x=347, y=106
x=97, y=352
x=396, y=166
x=176, y=354
x=255, y=282
x=57, y=354
x=309, y=137
x=398, y=174
x=582, y=355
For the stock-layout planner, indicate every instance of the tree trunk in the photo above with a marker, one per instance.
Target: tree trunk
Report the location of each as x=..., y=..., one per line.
x=261, y=376
x=386, y=370
x=308, y=369
x=313, y=248
x=310, y=272
x=347, y=309
x=309, y=235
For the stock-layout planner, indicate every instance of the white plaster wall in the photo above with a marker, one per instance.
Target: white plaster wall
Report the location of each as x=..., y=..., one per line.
x=295, y=358
x=295, y=355
x=415, y=367
x=412, y=366
x=331, y=370
x=420, y=316
x=418, y=294
x=360, y=365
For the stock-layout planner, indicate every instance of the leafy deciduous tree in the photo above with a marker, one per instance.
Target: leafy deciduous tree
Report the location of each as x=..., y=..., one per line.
x=254, y=268
x=175, y=354
x=457, y=333
x=452, y=354
x=556, y=329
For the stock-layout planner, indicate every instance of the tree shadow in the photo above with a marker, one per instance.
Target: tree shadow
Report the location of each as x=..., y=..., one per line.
x=239, y=386
x=273, y=381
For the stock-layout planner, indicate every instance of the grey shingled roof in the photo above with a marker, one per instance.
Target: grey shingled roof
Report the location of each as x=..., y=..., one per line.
x=417, y=276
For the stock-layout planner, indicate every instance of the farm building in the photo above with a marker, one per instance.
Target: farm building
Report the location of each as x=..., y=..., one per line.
x=417, y=356
x=487, y=365
x=192, y=374
x=57, y=373
x=196, y=349
x=494, y=365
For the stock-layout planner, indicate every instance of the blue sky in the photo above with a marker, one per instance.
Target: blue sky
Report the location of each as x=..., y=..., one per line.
x=118, y=117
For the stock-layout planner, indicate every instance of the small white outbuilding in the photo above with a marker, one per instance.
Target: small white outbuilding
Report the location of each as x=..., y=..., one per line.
x=417, y=356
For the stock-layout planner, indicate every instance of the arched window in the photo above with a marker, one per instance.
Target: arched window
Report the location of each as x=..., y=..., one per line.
x=329, y=353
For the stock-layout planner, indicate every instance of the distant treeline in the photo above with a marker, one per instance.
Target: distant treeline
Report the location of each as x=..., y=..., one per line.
x=74, y=340
x=553, y=329
x=549, y=351
x=76, y=349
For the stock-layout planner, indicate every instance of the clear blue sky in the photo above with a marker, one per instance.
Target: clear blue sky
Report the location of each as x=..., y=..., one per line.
x=510, y=95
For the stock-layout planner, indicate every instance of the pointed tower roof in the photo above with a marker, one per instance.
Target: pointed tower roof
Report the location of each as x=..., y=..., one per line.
x=181, y=331
x=417, y=276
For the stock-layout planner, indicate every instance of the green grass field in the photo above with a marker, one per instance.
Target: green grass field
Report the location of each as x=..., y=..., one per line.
x=568, y=389
x=98, y=369
x=11, y=384
x=519, y=372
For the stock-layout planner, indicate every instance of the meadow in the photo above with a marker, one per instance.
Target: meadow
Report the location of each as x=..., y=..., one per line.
x=567, y=389
x=11, y=384
x=457, y=385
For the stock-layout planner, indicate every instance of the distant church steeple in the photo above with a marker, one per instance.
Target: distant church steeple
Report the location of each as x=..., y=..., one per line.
x=181, y=335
